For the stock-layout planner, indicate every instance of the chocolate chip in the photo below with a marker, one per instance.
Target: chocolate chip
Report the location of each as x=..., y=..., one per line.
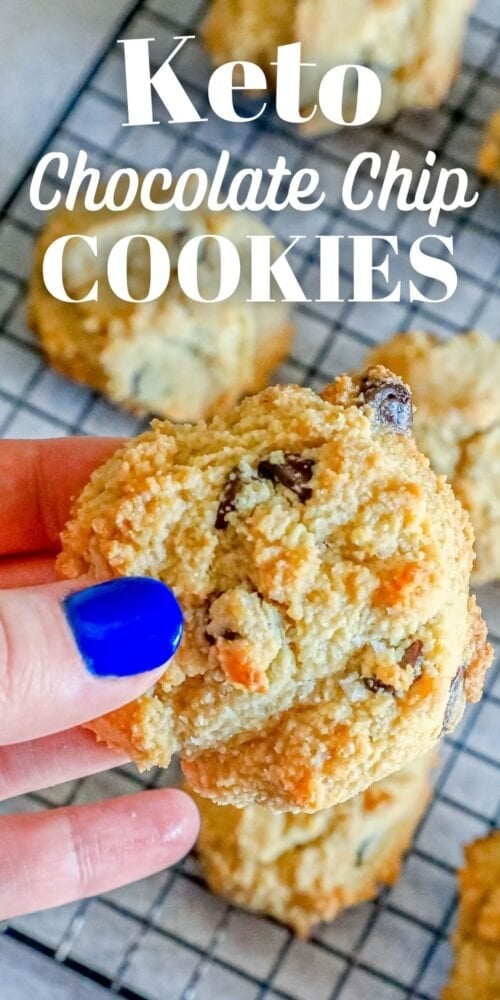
x=228, y=496
x=373, y=684
x=391, y=402
x=412, y=657
x=179, y=238
x=228, y=635
x=363, y=850
x=294, y=473
x=137, y=380
x=456, y=689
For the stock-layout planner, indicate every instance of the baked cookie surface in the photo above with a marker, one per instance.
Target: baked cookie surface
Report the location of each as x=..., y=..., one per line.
x=175, y=357
x=455, y=385
x=476, y=971
x=489, y=155
x=323, y=570
x=302, y=869
x=477, y=485
x=414, y=44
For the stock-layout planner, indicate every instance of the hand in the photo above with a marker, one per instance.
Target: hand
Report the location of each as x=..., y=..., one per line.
x=64, y=659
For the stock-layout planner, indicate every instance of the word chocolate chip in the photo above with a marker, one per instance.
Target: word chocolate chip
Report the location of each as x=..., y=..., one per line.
x=294, y=473
x=391, y=402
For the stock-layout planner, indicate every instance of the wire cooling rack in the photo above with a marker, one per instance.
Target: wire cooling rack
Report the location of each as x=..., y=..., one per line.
x=168, y=938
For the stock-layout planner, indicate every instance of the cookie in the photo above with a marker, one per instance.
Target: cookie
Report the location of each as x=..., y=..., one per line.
x=323, y=570
x=414, y=45
x=174, y=357
x=457, y=423
x=489, y=154
x=476, y=972
x=302, y=869
x=477, y=485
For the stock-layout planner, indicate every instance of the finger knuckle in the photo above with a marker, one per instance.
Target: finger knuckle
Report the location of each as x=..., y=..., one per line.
x=16, y=668
x=85, y=854
x=7, y=658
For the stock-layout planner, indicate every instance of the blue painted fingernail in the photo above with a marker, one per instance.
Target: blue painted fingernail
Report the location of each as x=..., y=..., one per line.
x=125, y=627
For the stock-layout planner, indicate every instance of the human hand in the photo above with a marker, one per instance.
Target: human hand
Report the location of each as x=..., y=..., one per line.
x=60, y=654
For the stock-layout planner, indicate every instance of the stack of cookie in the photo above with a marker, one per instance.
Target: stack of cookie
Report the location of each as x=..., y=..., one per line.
x=303, y=869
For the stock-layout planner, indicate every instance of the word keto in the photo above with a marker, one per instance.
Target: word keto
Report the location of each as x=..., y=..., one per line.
x=267, y=274
x=237, y=77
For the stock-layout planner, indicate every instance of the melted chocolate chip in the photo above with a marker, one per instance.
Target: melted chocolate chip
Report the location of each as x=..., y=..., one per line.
x=210, y=639
x=228, y=496
x=230, y=636
x=294, y=473
x=456, y=689
x=412, y=657
x=373, y=684
x=391, y=402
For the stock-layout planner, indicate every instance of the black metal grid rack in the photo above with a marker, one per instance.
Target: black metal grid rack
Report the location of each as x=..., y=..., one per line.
x=167, y=938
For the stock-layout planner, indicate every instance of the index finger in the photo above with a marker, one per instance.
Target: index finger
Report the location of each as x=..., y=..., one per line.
x=38, y=480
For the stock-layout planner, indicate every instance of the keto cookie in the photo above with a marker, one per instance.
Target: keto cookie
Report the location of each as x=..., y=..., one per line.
x=414, y=45
x=175, y=357
x=455, y=385
x=301, y=869
x=476, y=972
x=489, y=155
x=323, y=570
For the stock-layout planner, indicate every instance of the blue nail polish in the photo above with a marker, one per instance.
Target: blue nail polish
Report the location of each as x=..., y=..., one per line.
x=125, y=627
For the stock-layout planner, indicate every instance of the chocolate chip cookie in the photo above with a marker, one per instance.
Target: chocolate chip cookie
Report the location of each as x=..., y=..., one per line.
x=323, y=569
x=174, y=357
x=476, y=972
x=455, y=385
x=301, y=869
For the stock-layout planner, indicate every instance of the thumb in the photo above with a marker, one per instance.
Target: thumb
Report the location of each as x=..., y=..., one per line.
x=68, y=655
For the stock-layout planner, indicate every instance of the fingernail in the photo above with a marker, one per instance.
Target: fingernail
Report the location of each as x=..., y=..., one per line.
x=125, y=627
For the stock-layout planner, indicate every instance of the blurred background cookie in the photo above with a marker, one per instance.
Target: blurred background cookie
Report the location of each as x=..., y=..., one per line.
x=173, y=357
x=414, y=45
x=476, y=971
x=455, y=385
x=489, y=154
x=302, y=869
